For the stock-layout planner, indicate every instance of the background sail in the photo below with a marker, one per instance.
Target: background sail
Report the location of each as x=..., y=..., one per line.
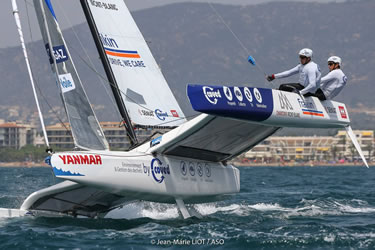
x=85, y=128
x=144, y=90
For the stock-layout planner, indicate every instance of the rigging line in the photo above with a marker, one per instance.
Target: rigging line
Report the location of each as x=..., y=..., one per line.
x=234, y=35
x=28, y=19
x=53, y=111
x=37, y=81
x=87, y=55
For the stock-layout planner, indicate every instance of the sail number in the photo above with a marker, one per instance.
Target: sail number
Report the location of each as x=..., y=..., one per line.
x=59, y=52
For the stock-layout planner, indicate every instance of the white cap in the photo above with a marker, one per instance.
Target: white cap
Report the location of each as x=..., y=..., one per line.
x=306, y=52
x=335, y=59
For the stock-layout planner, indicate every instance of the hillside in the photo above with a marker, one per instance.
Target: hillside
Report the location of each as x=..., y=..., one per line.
x=192, y=45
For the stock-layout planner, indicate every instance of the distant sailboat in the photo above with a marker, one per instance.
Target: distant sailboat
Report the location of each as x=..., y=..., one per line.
x=186, y=165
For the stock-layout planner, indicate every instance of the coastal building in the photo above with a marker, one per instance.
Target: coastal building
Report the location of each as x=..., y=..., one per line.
x=287, y=148
x=59, y=135
x=312, y=148
x=345, y=148
x=16, y=135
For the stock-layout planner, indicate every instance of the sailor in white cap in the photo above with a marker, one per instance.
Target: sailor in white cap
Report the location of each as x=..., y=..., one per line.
x=309, y=75
x=332, y=83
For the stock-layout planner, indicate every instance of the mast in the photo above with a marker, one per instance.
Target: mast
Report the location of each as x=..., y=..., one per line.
x=18, y=23
x=111, y=78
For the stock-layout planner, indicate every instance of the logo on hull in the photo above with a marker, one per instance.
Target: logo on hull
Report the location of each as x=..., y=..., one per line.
x=343, y=112
x=81, y=159
x=158, y=170
x=211, y=95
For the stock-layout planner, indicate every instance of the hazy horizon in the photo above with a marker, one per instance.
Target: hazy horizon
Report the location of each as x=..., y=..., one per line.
x=75, y=15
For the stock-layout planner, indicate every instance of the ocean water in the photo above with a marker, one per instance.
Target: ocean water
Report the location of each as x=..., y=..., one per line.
x=278, y=207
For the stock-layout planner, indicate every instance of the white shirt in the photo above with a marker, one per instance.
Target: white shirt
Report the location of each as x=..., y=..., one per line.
x=309, y=76
x=333, y=83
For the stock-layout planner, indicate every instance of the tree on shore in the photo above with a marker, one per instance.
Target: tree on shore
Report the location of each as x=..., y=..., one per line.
x=28, y=153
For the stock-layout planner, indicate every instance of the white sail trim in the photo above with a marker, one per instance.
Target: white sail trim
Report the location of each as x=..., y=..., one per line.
x=145, y=92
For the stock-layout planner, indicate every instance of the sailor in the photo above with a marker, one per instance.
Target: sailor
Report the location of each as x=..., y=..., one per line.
x=332, y=83
x=309, y=75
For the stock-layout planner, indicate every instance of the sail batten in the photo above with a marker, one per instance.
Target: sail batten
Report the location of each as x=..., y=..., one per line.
x=86, y=131
x=141, y=85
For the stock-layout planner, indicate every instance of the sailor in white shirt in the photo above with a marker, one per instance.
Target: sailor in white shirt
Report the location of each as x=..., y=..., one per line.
x=332, y=83
x=309, y=75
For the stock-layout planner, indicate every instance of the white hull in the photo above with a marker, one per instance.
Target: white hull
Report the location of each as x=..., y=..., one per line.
x=144, y=177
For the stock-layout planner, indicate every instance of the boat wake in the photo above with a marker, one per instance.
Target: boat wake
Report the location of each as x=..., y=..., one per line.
x=305, y=208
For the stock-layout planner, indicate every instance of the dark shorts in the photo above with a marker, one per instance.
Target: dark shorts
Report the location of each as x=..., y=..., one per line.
x=319, y=93
x=292, y=87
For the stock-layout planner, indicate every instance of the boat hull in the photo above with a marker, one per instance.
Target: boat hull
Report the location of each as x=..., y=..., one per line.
x=145, y=177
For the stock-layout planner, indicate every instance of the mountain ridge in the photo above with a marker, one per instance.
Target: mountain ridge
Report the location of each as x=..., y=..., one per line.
x=192, y=45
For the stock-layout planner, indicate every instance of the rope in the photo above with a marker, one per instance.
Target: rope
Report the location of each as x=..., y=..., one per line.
x=236, y=37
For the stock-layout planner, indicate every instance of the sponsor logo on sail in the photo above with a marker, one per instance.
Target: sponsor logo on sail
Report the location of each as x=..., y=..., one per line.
x=66, y=82
x=174, y=113
x=343, y=112
x=123, y=58
x=146, y=113
x=211, y=95
x=160, y=114
x=81, y=159
x=108, y=41
x=238, y=93
x=59, y=52
x=102, y=5
x=122, y=53
x=158, y=170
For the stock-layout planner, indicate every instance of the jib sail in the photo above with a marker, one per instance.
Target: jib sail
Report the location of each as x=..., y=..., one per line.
x=87, y=133
x=140, y=83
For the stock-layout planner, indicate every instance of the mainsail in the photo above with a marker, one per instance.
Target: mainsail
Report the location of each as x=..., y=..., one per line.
x=87, y=133
x=144, y=90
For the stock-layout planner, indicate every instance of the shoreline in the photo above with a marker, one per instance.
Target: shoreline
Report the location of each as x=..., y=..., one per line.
x=23, y=164
x=315, y=164
x=236, y=164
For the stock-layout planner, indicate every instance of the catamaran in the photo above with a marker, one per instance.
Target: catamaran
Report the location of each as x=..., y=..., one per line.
x=185, y=166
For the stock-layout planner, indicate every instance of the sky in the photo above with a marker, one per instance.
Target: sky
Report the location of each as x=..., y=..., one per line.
x=69, y=13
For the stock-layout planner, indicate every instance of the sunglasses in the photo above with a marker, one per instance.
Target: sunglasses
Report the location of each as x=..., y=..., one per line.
x=302, y=57
x=330, y=63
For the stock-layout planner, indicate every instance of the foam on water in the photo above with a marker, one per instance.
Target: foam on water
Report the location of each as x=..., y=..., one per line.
x=151, y=210
x=307, y=208
x=281, y=212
